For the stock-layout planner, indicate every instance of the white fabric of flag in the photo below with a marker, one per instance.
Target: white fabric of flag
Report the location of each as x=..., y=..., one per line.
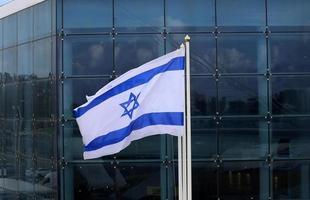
x=145, y=101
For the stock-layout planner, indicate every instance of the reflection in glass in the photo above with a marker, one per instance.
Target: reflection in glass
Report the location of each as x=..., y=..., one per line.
x=243, y=138
x=243, y=95
x=93, y=15
x=183, y=15
x=10, y=101
x=9, y=30
x=42, y=19
x=44, y=139
x=25, y=100
x=289, y=15
x=42, y=58
x=25, y=62
x=133, y=15
x=239, y=53
x=290, y=95
x=202, y=51
x=91, y=55
x=45, y=179
x=241, y=15
x=135, y=50
x=44, y=99
x=10, y=64
x=290, y=52
x=203, y=96
x=25, y=25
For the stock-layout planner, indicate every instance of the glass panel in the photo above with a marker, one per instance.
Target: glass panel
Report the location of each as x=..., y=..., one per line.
x=26, y=176
x=202, y=51
x=204, y=181
x=242, y=53
x=11, y=96
x=291, y=180
x=25, y=133
x=290, y=52
x=243, y=138
x=88, y=55
x=42, y=58
x=290, y=137
x=135, y=15
x=195, y=15
x=42, y=19
x=10, y=64
x=25, y=25
x=290, y=95
x=44, y=139
x=289, y=15
x=1, y=33
x=44, y=99
x=91, y=15
x=9, y=31
x=2, y=102
x=203, y=96
x=11, y=167
x=25, y=100
x=231, y=15
x=244, y=180
x=134, y=50
x=76, y=91
x=10, y=136
x=243, y=95
x=103, y=181
x=45, y=180
x=25, y=62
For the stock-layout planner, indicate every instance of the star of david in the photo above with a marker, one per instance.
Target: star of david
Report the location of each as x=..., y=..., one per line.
x=130, y=105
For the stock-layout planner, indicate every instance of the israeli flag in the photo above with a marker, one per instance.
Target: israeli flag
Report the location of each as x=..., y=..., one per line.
x=145, y=101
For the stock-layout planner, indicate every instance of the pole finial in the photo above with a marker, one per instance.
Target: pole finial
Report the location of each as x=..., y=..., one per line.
x=187, y=38
x=182, y=45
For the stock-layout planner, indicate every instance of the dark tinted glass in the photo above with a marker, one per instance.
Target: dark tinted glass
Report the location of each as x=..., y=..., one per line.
x=26, y=176
x=239, y=53
x=10, y=100
x=203, y=96
x=132, y=15
x=290, y=137
x=243, y=138
x=183, y=15
x=92, y=15
x=244, y=180
x=76, y=91
x=45, y=179
x=290, y=180
x=25, y=100
x=202, y=51
x=1, y=33
x=42, y=58
x=10, y=64
x=243, y=95
x=25, y=25
x=88, y=55
x=240, y=15
x=290, y=94
x=25, y=133
x=10, y=30
x=290, y=53
x=104, y=181
x=44, y=139
x=25, y=61
x=287, y=15
x=42, y=19
x=135, y=50
x=44, y=99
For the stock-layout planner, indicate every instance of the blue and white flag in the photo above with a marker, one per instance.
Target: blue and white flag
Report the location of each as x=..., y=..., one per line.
x=145, y=101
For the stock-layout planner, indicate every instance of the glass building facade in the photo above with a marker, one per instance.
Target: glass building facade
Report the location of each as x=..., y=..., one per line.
x=250, y=87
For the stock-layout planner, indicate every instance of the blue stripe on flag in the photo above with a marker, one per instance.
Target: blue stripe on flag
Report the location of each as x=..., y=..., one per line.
x=174, y=64
x=164, y=118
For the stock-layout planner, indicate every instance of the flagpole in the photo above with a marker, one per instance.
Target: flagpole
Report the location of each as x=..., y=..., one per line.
x=188, y=120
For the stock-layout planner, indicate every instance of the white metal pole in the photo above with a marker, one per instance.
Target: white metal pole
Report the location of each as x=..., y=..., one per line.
x=180, y=170
x=188, y=120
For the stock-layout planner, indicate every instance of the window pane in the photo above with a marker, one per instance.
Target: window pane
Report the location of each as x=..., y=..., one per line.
x=135, y=50
x=231, y=15
x=45, y=177
x=244, y=180
x=239, y=53
x=10, y=63
x=42, y=58
x=289, y=15
x=195, y=15
x=103, y=181
x=25, y=100
x=42, y=19
x=44, y=99
x=243, y=138
x=91, y=15
x=10, y=94
x=89, y=55
x=290, y=137
x=26, y=177
x=44, y=139
x=243, y=95
x=25, y=133
x=75, y=91
x=25, y=25
x=291, y=180
x=202, y=51
x=290, y=53
x=9, y=31
x=203, y=96
x=1, y=33
x=136, y=15
x=25, y=61
x=290, y=94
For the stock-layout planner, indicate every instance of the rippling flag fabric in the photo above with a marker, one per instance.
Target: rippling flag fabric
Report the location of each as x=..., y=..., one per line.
x=145, y=101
